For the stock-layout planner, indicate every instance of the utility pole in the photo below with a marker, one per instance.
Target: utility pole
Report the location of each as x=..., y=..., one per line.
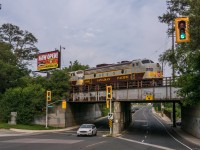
x=61, y=55
x=173, y=69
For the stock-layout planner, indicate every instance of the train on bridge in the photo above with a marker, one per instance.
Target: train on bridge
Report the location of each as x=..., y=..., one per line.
x=140, y=72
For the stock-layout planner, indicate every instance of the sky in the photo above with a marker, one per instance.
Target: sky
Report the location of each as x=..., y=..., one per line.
x=92, y=31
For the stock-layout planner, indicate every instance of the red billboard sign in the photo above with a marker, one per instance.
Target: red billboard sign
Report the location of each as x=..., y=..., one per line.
x=48, y=60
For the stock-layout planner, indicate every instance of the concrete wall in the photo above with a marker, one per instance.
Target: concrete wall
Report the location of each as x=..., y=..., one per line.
x=191, y=120
x=122, y=117
x=75, y=114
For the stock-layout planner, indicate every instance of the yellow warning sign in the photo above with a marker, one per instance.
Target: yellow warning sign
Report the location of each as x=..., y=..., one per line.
x=149, y=97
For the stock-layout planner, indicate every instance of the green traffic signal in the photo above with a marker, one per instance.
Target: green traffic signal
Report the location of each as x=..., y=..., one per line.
x=182, y=34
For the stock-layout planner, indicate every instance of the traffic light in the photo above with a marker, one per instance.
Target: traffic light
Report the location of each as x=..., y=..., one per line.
x=181, y=29
x=48, y=96
x=108, y=92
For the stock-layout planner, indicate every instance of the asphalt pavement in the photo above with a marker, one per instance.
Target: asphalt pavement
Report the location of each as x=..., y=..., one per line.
x=178, y=130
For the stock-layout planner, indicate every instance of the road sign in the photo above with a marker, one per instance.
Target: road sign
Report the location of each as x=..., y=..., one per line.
x=149, y=97
x=110, y=116
x=110, y=123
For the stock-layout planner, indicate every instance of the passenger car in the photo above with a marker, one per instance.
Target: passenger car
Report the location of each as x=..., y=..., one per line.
x=87, y=129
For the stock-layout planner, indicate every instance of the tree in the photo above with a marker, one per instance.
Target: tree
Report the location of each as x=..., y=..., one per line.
x=76, y=65
x=186, y=56
x=23, y=42
x=10, y=72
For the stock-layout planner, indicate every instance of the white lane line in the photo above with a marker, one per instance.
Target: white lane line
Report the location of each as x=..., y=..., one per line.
x=147, y=144
x=42, y=141
x=172, y=135
x=144, y=114
x=142, y=141
x=96, y=144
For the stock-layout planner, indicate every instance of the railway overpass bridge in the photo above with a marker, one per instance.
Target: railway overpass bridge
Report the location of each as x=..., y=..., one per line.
x=123, y=95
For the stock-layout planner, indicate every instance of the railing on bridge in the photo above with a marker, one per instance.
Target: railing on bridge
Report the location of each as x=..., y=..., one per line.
x=126, y=91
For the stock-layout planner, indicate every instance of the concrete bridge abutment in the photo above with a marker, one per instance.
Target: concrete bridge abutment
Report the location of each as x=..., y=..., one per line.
x=122, y=117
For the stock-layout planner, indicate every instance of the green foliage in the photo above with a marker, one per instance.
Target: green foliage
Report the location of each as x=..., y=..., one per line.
x=26, y=127
x=58, y=83
x=23, y=42
x=76, y=66
x=186, y=57
x=6, y=54
x=27, y=102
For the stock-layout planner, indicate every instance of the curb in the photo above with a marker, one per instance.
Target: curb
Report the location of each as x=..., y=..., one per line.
x=42, y=131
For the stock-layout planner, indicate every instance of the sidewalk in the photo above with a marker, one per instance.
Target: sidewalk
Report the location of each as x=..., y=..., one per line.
x=43, y=131
x=178, y=129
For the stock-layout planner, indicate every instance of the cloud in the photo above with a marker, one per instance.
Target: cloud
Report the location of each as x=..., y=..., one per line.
x=93, y=31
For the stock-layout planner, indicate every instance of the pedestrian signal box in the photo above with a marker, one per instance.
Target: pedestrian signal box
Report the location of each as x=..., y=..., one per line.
x=182, y=30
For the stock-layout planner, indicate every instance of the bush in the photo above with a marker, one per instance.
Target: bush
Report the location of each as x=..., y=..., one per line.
x=27, y=102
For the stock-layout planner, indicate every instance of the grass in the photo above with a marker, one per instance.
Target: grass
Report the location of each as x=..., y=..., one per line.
x=26, y=127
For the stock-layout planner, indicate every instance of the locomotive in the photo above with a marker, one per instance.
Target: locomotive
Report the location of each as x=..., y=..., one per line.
x=142, y=71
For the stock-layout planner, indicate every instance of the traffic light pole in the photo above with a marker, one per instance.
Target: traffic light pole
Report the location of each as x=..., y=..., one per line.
x=46, y=114
x=110, y=112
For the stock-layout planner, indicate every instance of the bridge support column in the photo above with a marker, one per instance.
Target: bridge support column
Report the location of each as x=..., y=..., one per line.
x=117, y=118
x=174, y=114
x=122, y=117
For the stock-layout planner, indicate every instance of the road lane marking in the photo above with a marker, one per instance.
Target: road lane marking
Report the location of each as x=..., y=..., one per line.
x=147, y=144
x=96, y=144
x=42, y=141
x=171, y=134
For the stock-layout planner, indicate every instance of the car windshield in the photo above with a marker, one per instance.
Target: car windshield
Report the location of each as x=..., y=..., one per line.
x=86, y=126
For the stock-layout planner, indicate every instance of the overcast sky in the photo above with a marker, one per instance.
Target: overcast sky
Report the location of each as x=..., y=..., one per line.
x=92, y=31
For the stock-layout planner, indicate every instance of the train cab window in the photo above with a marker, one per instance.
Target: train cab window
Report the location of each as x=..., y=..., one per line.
x=122, y=71
x=73, y=74
x=95, y=75
x=146, y=61
x=133, y=65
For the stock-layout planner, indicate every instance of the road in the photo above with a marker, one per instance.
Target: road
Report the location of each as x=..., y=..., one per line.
x=146, y=132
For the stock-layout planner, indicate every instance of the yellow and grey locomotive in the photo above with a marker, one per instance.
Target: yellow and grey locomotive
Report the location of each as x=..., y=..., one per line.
x=144, y=72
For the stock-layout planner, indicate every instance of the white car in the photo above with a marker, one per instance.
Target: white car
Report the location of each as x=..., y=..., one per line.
x=87, y=129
